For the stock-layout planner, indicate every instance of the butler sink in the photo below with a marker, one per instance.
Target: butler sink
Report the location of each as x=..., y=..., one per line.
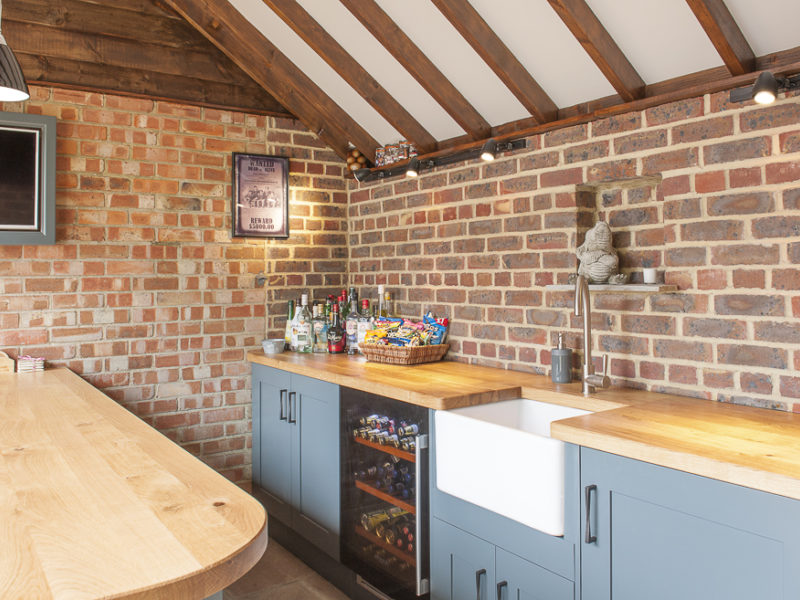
x=500, y=456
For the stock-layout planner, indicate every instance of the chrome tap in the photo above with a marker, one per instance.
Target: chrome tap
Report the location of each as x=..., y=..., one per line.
x=583, y=307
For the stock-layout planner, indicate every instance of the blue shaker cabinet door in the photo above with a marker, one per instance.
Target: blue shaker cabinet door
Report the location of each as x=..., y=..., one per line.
x=518, y=579
x=462, y=565
x=662, y=534
x=315, y=494
x=274, y=460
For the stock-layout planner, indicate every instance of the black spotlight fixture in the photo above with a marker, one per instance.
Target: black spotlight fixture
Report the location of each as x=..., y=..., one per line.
x=412, y=169
x=361, y=174
x=489, y=150
x=765, y=89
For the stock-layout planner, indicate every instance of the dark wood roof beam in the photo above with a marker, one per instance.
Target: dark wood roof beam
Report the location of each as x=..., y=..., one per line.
x=601, y=47
x=313, y=34
x=419, y=66
x=724, y=33
x=476, y=31
x=234, y=35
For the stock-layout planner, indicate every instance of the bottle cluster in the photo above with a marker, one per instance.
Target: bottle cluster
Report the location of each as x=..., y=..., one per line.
x=394, y=526
x=336, y=325
x=383, y=430
x=391, y=476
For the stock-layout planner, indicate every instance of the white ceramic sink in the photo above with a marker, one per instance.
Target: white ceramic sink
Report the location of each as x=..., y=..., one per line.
x=500, y=456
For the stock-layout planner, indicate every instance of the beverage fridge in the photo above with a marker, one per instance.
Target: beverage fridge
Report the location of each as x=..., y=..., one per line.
x=384, y=496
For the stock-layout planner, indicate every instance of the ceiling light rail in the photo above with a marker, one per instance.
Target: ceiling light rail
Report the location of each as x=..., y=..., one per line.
x=417, y=164
x=766, y=88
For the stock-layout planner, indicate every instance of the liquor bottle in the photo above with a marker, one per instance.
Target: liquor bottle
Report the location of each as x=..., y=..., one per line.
x=320, y=328
x=365, y=322
x=305, y=332
x=408, y=430
x=336, y=338
x=387, y=305
x=295, y=319
x=381, y=306
x=351, y=327
x=287, y=334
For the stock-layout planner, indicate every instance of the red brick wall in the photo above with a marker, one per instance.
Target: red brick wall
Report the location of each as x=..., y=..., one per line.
x=706, y=191
x=145, y=294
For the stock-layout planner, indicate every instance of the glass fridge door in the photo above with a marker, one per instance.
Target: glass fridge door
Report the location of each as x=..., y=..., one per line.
x=384, y=493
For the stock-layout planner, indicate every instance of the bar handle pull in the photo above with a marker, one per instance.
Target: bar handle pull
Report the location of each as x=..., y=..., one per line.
x=478, y=574
x=282, y=401
x=589, y=539
x=500, y=587
x=293, y=408
x=420, y=456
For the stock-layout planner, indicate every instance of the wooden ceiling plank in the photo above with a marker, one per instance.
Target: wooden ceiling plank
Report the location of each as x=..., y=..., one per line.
x=92, y=76
x=601, y=47
x=234, y=35
x=725, y=34
x=476, y=31
x=324, y=44
x=408, y=54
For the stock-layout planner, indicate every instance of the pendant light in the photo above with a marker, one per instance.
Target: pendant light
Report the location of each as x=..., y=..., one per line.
x=12, y=82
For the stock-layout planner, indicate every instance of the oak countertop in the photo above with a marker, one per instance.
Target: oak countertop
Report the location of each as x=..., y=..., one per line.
x=94, y=503
x=752, y=447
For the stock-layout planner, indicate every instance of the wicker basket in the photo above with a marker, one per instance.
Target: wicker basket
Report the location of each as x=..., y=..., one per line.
x=403, y=355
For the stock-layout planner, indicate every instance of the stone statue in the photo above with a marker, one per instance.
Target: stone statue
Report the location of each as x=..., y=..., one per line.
x=598, y=258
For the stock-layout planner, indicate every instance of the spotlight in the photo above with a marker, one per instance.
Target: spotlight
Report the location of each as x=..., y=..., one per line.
x=361, y=174
x=412, y=170
x=489, y=150
x=766, y=88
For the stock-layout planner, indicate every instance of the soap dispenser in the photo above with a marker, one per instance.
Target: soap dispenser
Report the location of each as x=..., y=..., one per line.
x=561, y=362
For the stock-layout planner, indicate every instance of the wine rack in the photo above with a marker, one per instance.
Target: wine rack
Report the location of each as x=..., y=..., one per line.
x=393, y=550
x=387, y=449
x=365, y=487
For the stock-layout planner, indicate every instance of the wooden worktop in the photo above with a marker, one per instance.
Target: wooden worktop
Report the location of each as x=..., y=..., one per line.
x=94, y=503
x=748, y=446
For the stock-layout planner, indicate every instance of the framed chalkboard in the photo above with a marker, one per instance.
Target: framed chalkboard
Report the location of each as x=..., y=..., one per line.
x=27, y=179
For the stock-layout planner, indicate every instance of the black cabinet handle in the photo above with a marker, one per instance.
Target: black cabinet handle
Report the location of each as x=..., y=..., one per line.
x=293, y=407
x=283, y=399
x=500, y=587
x=478, y=574
x=589, y=539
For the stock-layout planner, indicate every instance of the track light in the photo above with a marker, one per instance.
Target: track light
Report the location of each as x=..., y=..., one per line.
x=489, y=150
x=765, y=89
x=361, y=174
x=412, y=169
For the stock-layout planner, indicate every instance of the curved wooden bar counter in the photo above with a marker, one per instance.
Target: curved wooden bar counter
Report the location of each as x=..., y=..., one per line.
x=94, y=503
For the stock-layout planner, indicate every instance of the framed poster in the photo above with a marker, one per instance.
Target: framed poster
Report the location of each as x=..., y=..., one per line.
x=260, y=196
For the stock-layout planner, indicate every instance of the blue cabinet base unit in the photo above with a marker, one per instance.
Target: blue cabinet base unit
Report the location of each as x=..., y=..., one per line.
x=663, y=534
x=296, y=453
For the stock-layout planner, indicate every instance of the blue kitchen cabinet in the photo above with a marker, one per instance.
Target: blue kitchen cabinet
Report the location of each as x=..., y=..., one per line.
x=296, y=452
x=661, y=534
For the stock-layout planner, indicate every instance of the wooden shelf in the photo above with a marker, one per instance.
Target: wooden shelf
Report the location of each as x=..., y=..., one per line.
x=627, y=288
x=365, y=487
x=381, y=543
x=387, y=449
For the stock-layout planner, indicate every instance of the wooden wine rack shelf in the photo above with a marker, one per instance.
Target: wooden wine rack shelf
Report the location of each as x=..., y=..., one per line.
x=365, y=487
x=387, y=449
x=381, y=543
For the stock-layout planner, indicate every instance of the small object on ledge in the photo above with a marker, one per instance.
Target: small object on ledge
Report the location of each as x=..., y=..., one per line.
x=6, y=363
x=28, y=364
x=273, y=346
x=561, y=362
x=619, y=279
x=598, y=259
x=649, y=275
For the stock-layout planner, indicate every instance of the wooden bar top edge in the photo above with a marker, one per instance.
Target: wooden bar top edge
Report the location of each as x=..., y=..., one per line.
x=106, y=505
x=743, y=445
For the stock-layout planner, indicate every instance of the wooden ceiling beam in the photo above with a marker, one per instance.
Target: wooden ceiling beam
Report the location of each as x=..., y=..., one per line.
x=476, y=31
x=312, y=33
x=408, y=54
x=228, y=30
x=725, y=34
x=601, y=47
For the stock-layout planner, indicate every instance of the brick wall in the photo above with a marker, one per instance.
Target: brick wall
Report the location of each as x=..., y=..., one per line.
x=145, y=294
x=706, y=191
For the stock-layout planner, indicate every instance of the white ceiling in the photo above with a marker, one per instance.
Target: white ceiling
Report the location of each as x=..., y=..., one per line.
x=661, y=38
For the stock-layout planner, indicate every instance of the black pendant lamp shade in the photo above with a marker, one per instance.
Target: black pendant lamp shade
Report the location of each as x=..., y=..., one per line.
x=12, y=83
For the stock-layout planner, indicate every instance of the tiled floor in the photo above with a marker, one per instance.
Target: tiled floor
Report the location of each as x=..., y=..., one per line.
x=280, y=575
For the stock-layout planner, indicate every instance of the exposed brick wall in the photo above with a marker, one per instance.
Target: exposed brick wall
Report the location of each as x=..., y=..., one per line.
x=145, y=294
x=706, y=191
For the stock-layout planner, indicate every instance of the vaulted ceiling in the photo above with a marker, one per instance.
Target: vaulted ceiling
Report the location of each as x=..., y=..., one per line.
x=443, y=74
